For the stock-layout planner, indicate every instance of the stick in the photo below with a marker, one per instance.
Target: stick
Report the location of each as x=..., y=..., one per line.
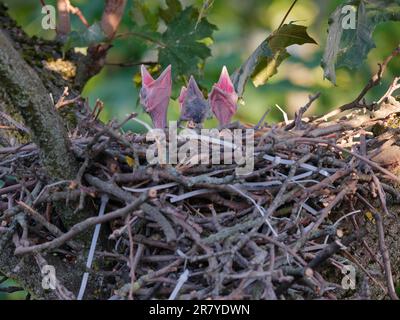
x=82, y=226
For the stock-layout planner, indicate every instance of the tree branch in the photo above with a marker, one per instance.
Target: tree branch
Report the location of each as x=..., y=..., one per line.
x=82, y=226
x=32, y=100
x=64, y=20
x=112, y=15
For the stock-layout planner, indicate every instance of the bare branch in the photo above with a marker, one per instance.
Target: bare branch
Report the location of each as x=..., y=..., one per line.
x=82, y=226
x=78, y=13
x=64, y=20
x=112, y=15
x=65, y=8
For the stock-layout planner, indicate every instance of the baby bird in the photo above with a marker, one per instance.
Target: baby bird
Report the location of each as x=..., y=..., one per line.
x=194, y=107
x=223, y=98
x=155, y=95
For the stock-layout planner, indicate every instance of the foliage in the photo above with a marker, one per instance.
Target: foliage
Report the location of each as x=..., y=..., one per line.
x=265, y=60
x=185, y=42
x=182, y=36
x=185, y=48
x=240, y=26
x=348, y=47
x=85, y=37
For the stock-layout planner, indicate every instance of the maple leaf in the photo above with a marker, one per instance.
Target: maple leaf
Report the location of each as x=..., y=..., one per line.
x=184, y=46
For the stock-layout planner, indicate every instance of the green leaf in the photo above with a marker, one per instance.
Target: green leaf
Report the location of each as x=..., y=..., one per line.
x=145, y=33
x=2, y=183
x=207, y=4
x=149, y=17
x=183, y=43
x=287, y=35
x=243, y=74
x=174, y=7
x=265, y=60
x=85, y=38
x=349, y=47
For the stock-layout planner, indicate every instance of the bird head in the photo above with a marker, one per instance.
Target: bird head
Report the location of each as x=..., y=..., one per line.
x=155, y=95
x=193, y=105
x=223, y=98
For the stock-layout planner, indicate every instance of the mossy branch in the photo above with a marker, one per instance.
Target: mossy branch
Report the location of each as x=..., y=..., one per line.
x=32, y=100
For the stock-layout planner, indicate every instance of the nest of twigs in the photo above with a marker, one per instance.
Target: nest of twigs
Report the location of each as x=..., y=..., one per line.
x=288, y=230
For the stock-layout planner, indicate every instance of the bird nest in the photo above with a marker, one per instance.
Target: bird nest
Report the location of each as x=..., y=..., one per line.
x=296, y=227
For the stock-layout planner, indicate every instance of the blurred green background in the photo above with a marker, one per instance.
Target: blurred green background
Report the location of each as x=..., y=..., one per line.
x=242, y=25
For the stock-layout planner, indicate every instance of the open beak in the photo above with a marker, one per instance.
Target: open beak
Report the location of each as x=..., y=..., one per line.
x=155, y=95
x=193, y=105
x=223, y=98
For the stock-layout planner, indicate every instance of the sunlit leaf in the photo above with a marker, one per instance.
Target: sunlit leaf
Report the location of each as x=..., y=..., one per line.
x=286, y=36
x=207, y=41
x=265, y=60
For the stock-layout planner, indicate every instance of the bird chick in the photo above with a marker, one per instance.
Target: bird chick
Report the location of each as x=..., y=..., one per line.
x=155, y=95
x=223, y=98
x=194, y=107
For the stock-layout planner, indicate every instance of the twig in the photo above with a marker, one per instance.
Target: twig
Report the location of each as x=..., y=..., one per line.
x=131, y=64
x=151, y=211
x=61, y=291
x=49, y=226
x=334, y=247
x=296, y=124
x=78, y=13
x=394, y=86
x=383, y=249
x=287, y=14
x=82, y=226
x=374, y=81
x=151, y=275
x=371, y=163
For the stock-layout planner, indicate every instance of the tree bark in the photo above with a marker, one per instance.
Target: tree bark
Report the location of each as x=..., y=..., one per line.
x=32, y=100
x=32, y=71
x=112, y=15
